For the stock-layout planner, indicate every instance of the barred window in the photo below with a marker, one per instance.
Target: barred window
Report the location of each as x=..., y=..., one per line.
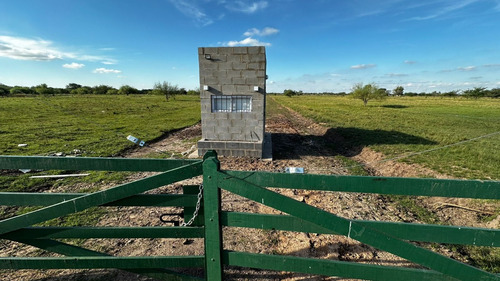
x=231, y=103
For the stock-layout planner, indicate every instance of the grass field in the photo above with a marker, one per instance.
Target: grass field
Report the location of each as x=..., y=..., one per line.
x=84, y=125
x=403, y=126
x=89, y=125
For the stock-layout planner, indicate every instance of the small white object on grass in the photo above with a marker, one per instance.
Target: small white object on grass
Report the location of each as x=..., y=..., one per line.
x=133, y=139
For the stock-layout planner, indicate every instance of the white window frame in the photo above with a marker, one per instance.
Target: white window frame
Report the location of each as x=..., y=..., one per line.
x=221, y=103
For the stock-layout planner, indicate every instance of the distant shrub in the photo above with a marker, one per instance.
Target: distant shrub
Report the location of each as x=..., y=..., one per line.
x=18, y=90
x=289, y=93
x=4, y=90
x=128, y=90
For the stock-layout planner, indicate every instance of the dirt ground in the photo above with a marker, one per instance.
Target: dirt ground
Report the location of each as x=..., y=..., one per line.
x=297, y=142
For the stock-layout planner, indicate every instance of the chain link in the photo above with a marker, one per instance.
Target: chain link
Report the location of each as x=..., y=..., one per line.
x=197, y=209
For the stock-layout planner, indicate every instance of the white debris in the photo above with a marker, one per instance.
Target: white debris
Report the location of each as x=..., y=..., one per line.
x=294, y=170
x=58, y=176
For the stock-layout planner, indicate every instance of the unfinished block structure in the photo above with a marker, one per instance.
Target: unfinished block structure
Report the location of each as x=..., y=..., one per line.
x=233, y=100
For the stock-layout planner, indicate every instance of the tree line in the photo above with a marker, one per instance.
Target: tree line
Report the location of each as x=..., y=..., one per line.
x=160, y=88
x=477, y=92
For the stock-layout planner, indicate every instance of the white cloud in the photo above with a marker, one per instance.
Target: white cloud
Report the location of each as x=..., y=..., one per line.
x=109, y=62
x=363, y=66
x=190, y=9
x=19, y=48
x=396, y=75
x=410, y=62
x=463, y=68
x=103, y=70
x=249, y=41
x=466, y=68
x=370, y=13
x=195, y=9
x=264, y=32
x=246, y=6
x=448, y=8
x=73, y=65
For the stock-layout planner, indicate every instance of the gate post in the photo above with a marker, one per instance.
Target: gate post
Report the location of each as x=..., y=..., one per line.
x=212, y=207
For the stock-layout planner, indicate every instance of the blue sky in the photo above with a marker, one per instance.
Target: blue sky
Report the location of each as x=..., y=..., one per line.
x=313, y=46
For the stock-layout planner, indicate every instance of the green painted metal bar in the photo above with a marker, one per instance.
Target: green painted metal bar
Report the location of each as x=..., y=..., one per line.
x=104, y=232
x=102, y=262
x=59, y=247
x=406, y=231
x=100, y=197
x=381, y=185
x=213, y=229
x=330, y=267
x=47, y=199
x=92, y=163
x=353, y=230
x=70, y=250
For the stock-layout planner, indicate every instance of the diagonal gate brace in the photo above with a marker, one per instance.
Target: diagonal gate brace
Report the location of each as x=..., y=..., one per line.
x=99, y=198
x=354, y=230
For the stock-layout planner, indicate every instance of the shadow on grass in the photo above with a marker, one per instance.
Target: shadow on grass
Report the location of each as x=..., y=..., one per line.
x=337, y=141
x=394, y=106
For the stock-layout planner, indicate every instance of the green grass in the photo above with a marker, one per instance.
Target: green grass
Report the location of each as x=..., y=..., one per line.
x=93, y=125
x=401, y=126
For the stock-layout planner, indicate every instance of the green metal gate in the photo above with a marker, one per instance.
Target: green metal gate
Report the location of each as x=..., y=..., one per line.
x=387, y=236
x=19, y=228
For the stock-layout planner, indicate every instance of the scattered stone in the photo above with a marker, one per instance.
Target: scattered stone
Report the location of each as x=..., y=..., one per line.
x=22, y=145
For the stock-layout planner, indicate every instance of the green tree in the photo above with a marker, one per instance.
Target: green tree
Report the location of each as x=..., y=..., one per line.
x=72, y=86
x=195, y=92
x=398, y=91
x=494, y=93
x=81, y=91
x=101, y=89
x=450, y=94
x=18, y=90
x=43, y=89
x=289, y=93
x=166, y=89
x=128, y=90
x=477, y=92
x=367, y=92
x=112, y=91
x=4, y=90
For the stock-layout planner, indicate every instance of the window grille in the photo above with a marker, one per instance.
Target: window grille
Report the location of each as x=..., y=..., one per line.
x=231, y=103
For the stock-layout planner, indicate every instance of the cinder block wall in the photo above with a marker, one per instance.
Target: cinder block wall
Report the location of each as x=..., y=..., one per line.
x=233, y=71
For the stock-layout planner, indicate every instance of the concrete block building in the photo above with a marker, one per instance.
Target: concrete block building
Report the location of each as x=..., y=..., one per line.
x=233, y=100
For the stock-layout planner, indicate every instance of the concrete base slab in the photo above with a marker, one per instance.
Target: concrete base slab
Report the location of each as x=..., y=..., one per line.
x=231, y=148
